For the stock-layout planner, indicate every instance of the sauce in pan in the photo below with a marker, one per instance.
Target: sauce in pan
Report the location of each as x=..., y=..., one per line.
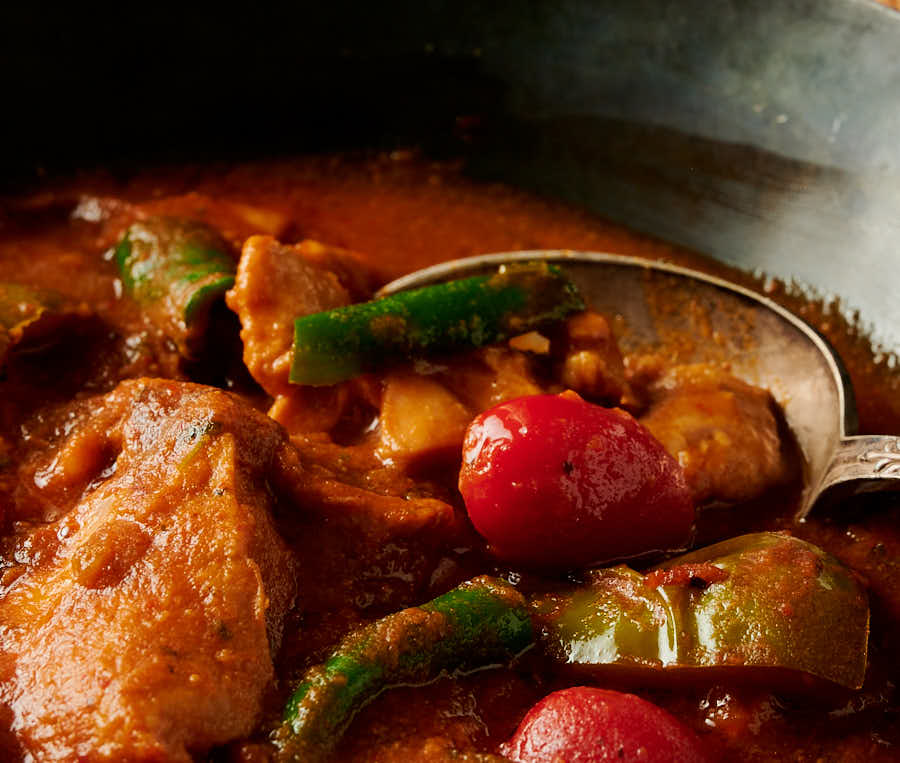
x=326, y=532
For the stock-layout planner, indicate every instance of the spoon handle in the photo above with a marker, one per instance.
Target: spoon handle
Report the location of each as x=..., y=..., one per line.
x=861, y=464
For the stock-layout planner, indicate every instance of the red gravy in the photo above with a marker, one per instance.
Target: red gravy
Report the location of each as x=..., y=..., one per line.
x=404, y=213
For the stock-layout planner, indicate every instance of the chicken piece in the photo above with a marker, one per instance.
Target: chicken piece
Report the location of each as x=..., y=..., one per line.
x=352, y=270
x=351, y=487
x=592, y=363
x=275, y=284
x=140, y=625
x=422, y=422
x=490, y=376
x=722, y=431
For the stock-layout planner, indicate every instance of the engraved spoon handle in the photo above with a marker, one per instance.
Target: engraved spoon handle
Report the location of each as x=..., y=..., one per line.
x=862, y=464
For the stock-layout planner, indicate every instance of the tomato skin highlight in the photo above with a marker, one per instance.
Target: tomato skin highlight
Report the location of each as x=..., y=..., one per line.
x=589, y=725
x=554, y=481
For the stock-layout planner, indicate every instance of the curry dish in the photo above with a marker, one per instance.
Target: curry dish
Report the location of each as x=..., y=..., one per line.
x=217, y=545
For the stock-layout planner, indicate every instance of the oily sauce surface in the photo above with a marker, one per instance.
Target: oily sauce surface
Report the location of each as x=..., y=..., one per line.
x=404, y=213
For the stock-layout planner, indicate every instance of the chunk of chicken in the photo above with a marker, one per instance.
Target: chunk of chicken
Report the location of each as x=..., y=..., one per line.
x=140, y=624
x=489, y=376
x=723, y=431
x=422, y=422
x=423, y=418
x=592, y=362
x=275, y=284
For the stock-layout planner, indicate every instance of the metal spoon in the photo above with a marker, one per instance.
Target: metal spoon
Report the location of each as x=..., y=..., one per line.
x=694, y=317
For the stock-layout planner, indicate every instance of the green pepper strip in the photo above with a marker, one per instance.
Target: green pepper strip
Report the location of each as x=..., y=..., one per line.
x=175, y=269
x=338, y=344
x=481, y=623
x=768, y=601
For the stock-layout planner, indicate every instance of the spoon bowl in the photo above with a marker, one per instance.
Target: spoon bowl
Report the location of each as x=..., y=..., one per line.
x=696, y=318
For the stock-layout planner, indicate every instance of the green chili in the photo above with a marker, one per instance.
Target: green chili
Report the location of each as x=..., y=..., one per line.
x=338, y=344
x=480, y=623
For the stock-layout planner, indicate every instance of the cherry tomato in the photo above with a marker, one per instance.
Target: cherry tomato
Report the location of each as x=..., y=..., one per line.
x=589, y=725
x=554, y=481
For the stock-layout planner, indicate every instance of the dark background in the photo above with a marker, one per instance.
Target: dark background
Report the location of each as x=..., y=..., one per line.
x=764, y=133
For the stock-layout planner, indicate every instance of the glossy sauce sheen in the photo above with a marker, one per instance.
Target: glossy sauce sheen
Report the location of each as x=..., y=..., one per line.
x=403, y=213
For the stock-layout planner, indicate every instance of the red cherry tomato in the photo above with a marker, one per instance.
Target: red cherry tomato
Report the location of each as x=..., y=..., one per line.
x=554, y=481
x=588, y=725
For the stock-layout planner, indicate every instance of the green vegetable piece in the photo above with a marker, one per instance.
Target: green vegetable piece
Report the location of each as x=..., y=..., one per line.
x=30, y=316
x=338, y=344
x=764, y=606
x=175, y=269
x=482, y=622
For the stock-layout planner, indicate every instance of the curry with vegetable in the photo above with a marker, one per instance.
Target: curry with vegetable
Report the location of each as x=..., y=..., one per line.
x=252, y=512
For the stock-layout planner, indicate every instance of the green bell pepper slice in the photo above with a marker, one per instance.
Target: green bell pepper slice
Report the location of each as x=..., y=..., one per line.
x=760, y=607
x=176, y=269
